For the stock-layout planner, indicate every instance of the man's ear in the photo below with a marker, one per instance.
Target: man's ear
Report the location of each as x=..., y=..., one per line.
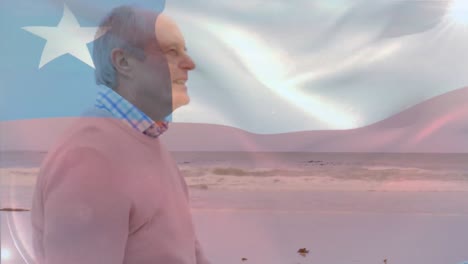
x=121, y=63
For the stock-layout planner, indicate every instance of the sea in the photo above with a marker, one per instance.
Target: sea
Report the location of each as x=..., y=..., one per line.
x=289, y=171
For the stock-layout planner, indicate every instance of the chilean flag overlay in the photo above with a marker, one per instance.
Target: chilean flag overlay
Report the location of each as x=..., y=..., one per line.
x=267, y=68
x=316, y=77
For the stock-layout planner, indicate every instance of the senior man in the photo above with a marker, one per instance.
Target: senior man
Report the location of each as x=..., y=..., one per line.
x=108, y=191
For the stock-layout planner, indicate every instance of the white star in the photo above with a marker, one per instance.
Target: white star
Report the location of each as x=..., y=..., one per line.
x=66, y=38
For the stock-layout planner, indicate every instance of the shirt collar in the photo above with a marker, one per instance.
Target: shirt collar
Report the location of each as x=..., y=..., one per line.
x=109, y=100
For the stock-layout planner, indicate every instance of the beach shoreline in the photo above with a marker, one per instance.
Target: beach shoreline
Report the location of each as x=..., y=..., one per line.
x=335, y=226
x=342, y=208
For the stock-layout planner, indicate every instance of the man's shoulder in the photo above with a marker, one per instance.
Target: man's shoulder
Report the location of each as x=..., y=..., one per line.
x=89, y=141
x=88, y=131
x=94, y=133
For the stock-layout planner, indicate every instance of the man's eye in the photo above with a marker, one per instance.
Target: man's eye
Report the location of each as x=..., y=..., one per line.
x=173, y=52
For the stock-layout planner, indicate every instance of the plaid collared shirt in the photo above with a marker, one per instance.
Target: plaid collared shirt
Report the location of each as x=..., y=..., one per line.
x=122, y=109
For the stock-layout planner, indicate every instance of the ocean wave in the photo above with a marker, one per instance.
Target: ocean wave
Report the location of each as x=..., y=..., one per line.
x=339, y=173
x=18, y=176
x=311, y=183
x=319, y=178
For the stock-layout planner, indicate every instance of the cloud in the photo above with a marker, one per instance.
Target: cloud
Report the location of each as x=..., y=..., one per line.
x=314, y=66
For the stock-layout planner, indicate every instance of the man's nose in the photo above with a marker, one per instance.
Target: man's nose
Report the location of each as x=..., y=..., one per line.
x=187, y=63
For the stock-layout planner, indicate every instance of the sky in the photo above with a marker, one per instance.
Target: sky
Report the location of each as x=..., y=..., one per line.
x=276, y=66
x=265, y=67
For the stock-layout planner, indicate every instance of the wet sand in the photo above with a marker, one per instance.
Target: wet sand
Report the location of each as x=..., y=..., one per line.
x=334, y=226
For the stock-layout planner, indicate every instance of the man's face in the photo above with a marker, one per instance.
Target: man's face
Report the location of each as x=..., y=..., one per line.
x=163, y=74
x=172, y=44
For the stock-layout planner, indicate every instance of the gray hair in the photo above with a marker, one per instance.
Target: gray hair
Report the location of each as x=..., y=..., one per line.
x=127, y=28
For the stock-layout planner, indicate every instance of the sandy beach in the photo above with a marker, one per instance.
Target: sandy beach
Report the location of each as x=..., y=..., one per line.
x=336, y=227
x=341, y=208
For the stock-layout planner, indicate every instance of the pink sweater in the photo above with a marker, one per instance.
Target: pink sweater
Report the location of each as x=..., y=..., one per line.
x=107, y=194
